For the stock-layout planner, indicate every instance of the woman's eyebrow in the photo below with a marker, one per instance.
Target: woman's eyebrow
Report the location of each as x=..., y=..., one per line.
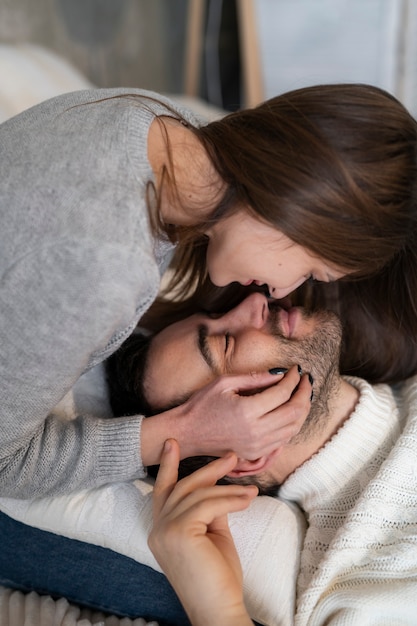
x=204, y=348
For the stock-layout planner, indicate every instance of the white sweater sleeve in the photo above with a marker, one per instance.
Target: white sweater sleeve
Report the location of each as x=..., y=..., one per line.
x=269, y=537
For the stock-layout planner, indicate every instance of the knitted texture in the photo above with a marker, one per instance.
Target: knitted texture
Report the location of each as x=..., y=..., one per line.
x=359, y=560
x=18, y=609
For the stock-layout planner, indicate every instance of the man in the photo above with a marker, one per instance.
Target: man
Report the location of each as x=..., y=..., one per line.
x=151, y=374
x=352, y=469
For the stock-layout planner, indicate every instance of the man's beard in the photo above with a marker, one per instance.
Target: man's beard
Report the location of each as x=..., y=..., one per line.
x=317, y=353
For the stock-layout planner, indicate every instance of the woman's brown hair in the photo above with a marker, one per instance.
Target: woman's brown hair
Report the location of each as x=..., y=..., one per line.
x=334, y=168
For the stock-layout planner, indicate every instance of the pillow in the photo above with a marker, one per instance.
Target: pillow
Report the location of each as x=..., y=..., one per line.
x=30, y=73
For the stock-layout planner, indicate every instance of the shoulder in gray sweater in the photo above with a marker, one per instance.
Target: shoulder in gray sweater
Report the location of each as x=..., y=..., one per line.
x=78, y=268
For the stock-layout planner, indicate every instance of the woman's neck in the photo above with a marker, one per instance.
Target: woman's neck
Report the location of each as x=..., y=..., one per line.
x=190, y=188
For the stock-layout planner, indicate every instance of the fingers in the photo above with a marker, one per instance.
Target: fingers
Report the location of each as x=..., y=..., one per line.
x=294, y=386
x=253, y=381
x=212, y=472
x=291, y=396
x=167, y=491
x=196, y=499
x=280, y=391
x=206, y=476
x=246, y=413
x=167, y=475
x=273, y=389
x=194, y=530
x=211, y=505
x=283, y=408
x=290, y=416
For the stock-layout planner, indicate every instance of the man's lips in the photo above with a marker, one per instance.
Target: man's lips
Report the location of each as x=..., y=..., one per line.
x=288, y=321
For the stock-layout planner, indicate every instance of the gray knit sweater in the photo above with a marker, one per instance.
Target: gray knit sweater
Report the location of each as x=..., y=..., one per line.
x=78, y=267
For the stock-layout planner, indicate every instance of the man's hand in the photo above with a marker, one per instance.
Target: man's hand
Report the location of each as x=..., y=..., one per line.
x=191, y=539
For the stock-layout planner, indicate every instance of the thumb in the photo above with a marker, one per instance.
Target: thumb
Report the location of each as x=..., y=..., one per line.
x=167, y=475
x=254, y=381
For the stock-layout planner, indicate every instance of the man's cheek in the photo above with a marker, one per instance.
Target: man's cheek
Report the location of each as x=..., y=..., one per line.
x=261, y=356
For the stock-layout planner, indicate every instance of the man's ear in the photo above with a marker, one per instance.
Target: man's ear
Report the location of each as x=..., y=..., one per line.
x=249, y=468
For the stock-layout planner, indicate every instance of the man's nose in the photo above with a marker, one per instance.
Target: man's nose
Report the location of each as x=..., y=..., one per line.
x=252, y=312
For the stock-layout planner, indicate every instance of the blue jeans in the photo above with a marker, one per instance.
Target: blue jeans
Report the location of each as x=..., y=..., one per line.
x=87, y=575
x=84, y=574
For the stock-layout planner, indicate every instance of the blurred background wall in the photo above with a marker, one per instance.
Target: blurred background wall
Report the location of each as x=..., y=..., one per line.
x=305, y=42
x=113, y=42
x=230, y=52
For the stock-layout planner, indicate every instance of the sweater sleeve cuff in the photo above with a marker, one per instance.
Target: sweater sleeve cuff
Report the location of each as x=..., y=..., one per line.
x=119, y=453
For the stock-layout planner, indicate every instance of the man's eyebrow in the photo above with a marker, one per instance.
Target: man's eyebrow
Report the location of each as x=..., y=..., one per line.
x=204, y=347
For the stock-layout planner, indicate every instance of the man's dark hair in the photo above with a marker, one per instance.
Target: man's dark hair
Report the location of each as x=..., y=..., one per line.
x=125, y=373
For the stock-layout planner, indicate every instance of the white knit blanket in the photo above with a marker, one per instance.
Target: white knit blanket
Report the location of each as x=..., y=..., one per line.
x=19, y=609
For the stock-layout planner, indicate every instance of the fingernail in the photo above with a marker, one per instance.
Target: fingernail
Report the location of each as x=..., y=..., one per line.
x=278, y=370
x=167, y=446
x=300, y=370
x=311, y=379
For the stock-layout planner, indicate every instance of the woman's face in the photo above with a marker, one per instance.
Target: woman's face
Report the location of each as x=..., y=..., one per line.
x=245, y=250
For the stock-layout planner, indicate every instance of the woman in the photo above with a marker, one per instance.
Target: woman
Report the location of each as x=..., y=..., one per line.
x=318, y=183
x=91, y=183
x=334, y=169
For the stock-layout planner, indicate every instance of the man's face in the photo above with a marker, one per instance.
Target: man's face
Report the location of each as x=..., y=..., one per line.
x=254, y=336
